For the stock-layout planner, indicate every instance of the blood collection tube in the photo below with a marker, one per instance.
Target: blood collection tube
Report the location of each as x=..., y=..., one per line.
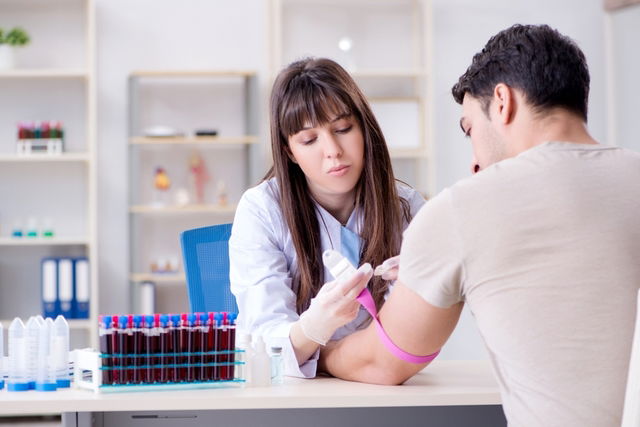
x=138, y=350
x=231, y=317
x=165, y=348
x=131, y=361
x=175, y=346
x=202, y=374
x=183, y=339
x=105, y=332
x=148, y=344
x=211, y=347
x=115, y=351
x=123, y=337
x=157, y=370
x=225, y=342
x=193, y=341
x=220, y=347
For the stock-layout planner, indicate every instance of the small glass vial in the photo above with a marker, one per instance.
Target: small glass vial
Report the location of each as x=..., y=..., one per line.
x=277, y=366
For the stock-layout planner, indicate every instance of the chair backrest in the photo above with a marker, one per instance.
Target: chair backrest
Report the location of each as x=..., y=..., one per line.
x=631, y=414
x=205, y=253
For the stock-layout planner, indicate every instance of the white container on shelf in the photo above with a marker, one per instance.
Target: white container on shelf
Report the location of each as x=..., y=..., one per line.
x=7, y=57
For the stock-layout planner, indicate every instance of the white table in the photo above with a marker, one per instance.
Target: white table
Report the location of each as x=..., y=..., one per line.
x=443, y=383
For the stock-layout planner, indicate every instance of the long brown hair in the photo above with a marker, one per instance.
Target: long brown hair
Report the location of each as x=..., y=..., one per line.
x=312, y=91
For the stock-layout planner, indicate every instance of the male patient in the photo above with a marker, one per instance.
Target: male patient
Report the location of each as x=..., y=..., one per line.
x=542, y=243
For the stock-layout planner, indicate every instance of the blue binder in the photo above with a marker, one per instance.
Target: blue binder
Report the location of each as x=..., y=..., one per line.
x=81, y=288
x=49, y=287
x=65, y=287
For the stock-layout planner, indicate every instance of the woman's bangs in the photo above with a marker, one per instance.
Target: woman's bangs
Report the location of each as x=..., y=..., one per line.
x=310, y=105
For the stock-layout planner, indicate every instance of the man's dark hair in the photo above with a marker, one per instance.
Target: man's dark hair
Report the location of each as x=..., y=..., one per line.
x=549, y=68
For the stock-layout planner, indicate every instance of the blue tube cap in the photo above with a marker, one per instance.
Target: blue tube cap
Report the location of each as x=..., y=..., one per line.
x=1, y=385
x=63, y=383
x=204, y=317
x=46, y=386
x=218, y=317
x=191, y=318
x=164, y=320
x=106, y=321
x=17, y=386
x=123, y=321
x=175, y=319
x=232, y=318
x=137, y=321
x=148, y=320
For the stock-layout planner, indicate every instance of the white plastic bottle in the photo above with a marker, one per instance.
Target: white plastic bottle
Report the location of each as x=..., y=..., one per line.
x=45, y=374
x=260, y=364
x=1, y=357
x=18, y=373
x=243, y=342
x=60, y=351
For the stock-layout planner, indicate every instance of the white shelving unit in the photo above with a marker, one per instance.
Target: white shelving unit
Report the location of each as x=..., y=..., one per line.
x=54, y=79
x=391, y=66
x=185, y=100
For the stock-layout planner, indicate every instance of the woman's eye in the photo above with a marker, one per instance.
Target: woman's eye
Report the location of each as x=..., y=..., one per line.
x=345, y=129
x=308, y=141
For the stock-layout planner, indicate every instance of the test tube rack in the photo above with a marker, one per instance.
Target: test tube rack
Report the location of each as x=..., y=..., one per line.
x=106, y=373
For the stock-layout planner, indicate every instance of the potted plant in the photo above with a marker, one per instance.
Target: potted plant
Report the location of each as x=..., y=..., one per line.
x=8, y=41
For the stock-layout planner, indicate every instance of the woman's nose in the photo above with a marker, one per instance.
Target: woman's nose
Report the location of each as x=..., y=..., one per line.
x=332, y=148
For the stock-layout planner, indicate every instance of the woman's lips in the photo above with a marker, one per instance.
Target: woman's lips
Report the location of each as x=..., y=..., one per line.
x=339, y=170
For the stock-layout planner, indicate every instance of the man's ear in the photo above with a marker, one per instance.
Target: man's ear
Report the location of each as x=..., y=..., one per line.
x=504, y=103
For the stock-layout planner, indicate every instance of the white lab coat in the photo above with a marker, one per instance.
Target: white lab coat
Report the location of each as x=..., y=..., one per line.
x=263, y=262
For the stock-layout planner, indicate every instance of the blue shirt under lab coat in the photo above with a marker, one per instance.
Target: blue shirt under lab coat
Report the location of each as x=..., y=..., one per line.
x=263, y=262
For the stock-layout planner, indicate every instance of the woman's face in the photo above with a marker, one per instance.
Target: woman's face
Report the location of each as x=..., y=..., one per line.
x=331, y=156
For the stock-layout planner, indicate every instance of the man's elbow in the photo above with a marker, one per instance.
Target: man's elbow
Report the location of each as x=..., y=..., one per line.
x=395, y=373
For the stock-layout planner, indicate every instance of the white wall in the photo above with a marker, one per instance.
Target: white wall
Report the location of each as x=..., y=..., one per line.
x=624, y=33
x=222, y=34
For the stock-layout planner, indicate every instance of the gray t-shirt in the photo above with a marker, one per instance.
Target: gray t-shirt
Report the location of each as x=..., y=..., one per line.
x=545, y=250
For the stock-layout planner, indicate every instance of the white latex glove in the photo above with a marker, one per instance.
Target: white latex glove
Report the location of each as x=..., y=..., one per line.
x=334, y=306
x=388, y=269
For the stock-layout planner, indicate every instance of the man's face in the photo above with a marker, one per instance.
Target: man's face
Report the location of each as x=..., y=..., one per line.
x=488, y=146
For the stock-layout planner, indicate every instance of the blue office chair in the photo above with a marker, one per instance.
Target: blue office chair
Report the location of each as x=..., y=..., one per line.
x=205, y=253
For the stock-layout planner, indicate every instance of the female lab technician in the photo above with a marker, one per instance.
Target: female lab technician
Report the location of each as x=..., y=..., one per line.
x=331, y=187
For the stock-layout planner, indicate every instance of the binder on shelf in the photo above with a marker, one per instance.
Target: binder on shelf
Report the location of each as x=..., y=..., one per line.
x=65, y=287
x=49, y=287
x=81, y=288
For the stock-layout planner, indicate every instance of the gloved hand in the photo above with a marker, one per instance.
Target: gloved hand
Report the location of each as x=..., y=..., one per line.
x=334, y=306
x=389, y=268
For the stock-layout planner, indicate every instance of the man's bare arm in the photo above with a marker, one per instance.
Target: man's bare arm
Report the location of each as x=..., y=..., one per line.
x=412, y=324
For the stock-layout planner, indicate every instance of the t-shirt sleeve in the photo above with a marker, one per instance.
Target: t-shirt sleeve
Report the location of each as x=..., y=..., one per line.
x=431, y=260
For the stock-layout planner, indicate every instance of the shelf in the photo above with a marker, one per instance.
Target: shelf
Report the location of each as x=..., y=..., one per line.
x=42, y=241
x=43, y=73
x=397, y=72
x=393, y=99
x=73, y=323
x=158, y=278
x=194, y=140
x=193, y=73
x=150, y=209
x=407, y=153
x=64, y=157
